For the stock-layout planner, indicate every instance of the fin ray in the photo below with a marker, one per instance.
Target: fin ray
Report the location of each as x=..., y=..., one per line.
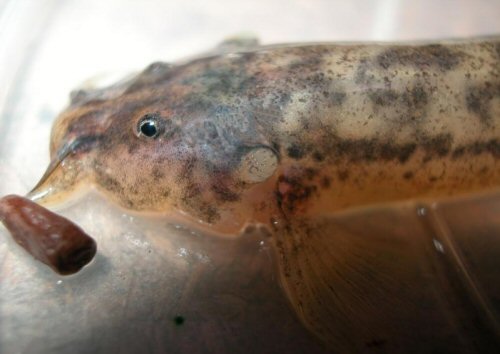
x=374, y=278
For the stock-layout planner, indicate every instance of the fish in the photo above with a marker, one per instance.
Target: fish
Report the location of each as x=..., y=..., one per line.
x=349, y=154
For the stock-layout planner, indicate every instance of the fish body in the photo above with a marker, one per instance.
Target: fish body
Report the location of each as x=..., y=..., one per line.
x=289, y=129
x=289, y=136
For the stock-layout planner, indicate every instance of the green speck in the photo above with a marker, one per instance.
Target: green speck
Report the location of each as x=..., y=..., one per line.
x=179, y=320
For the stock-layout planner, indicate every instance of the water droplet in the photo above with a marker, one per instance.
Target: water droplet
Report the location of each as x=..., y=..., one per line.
x=438, y=245
x=55, y=236
x=59, y=282
x=421, y=211
x=233, y=55
x=202, y=258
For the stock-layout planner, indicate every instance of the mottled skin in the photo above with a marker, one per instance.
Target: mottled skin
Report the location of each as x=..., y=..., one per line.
x=282, y=135
x=349, y=125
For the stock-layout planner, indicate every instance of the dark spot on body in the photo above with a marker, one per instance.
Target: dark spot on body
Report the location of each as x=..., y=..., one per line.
x=310, y=173
x=388, y=151
x=209, y=213
x=411, y=102
x=209, y=131
x=439, y=145
x=361, y=75
x=326, y=182
x=337, y=97
x=191, y=191
x=165, y=192
x=383, y=97
x=421, y=57
x=491, y=146
x=292, y=192
x=402, y=153
x=458, y=152
x=295, y=152
x=311, y=59
x=224, y=194
x=192, y=200
x=317, y=156
x=356, y=149
x=484, y=170
x=370, y=150
x=408, y=175
x=478, y=99
x=109, y=183
x=186, y=171
x=418, y=97
x=405, y=151
x=158, y=173
x=343, y=175
x=170, y=129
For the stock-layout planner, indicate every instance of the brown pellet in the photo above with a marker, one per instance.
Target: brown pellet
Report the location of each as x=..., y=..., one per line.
x=48, y=237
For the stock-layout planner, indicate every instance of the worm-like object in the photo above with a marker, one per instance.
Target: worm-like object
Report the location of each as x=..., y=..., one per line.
x=48, y=237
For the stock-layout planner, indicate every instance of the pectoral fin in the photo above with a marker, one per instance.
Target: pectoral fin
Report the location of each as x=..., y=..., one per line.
x=400, y=277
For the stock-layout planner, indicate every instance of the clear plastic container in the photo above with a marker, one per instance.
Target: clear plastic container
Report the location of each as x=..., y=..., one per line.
x=155, y=287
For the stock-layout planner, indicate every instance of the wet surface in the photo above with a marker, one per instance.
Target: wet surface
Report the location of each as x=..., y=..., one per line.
x=400, y=278
x=152, y=287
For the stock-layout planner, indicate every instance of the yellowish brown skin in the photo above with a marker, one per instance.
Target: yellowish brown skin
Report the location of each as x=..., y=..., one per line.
x=284, y=134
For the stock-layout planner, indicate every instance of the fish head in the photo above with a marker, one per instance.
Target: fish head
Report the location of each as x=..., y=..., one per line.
x=171, y=146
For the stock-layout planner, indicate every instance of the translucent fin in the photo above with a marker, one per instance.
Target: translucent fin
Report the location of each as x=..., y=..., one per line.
x=238, y=42
x=399, y=278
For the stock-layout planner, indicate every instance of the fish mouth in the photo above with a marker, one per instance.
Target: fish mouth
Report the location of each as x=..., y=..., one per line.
x=55, y=179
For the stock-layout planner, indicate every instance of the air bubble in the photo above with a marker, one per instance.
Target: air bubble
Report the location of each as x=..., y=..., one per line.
x=421, y=211
x=438, y=245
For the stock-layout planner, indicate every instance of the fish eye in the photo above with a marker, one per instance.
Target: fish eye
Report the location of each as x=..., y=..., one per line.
x=149, y=125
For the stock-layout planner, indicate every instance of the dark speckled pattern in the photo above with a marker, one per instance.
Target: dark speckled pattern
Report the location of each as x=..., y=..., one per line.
x=288, y=136
x=378, y=121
